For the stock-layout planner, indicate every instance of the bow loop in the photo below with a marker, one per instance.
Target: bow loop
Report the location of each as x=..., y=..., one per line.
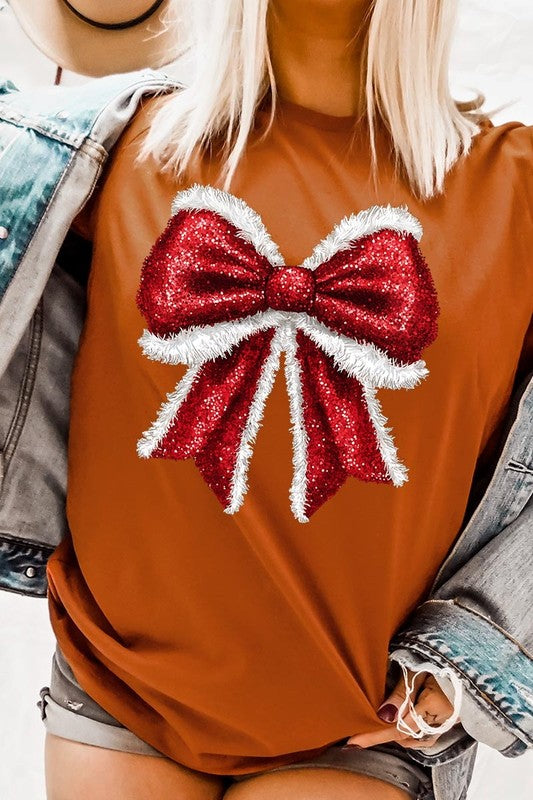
x=379, y=290
x=200, y=272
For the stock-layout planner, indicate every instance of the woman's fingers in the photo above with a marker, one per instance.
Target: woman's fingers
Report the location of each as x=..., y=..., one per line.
x=417, y=744
x=430, y=703
x=391, y=734
x=388, y=710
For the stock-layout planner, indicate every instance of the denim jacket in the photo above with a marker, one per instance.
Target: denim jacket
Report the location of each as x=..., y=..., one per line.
x=474, y=630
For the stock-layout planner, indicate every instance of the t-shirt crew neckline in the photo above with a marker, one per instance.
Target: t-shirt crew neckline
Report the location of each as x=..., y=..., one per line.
x=288, y=110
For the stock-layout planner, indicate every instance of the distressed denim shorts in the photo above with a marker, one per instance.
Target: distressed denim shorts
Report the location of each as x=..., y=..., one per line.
x=68, y=711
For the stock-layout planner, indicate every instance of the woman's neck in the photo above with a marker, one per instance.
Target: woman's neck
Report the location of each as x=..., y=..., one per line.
x=316, y=52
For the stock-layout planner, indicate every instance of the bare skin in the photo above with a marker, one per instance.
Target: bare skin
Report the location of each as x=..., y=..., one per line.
x=316, y=50
x=94, y=773
x=314, y=783
x=86, y=772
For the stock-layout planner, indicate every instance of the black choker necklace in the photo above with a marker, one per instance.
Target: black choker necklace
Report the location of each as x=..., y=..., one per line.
x=115, y=25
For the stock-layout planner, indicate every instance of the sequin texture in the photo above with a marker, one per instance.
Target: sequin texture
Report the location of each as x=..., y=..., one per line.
x=215, y=296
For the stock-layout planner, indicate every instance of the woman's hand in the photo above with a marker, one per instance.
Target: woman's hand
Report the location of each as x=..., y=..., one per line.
x=431, y=704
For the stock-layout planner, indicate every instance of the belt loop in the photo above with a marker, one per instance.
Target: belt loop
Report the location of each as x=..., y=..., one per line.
x=42, y=702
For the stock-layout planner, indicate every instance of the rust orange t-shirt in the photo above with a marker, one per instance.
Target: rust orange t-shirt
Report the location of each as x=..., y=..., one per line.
x=234, y=642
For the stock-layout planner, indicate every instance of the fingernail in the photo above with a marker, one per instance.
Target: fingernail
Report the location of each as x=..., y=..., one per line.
x=387, y=712
x=350, y=746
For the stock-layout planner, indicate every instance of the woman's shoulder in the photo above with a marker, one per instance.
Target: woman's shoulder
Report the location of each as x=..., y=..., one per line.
x=501, y=160
x=511, y=140
x=141, y=120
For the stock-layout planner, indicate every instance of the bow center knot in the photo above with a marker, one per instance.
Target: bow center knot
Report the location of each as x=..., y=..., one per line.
x=290, y=288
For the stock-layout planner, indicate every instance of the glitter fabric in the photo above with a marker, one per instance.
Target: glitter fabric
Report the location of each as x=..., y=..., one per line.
x=342, y=440
x=354, y=316
x=291, y=289
x=210, y=424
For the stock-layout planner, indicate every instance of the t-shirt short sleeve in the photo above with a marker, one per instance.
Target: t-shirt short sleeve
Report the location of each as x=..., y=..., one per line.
x=84, y=222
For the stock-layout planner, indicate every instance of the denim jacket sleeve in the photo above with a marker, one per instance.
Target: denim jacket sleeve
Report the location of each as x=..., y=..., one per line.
x=54, y=144
x=474, y=631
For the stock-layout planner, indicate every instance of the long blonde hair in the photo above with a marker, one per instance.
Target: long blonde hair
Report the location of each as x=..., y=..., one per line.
x=404, y=81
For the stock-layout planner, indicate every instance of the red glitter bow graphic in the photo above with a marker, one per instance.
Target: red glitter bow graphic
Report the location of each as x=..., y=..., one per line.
x=353, y=317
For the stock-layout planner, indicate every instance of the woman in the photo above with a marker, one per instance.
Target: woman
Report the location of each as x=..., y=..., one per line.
x=241, y=646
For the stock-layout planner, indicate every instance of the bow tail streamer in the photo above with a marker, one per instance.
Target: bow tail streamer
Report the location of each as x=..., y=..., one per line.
x=214, y=413
x=338, y=429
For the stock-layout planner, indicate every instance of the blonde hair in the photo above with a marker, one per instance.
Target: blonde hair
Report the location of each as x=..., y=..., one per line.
x=404, y=82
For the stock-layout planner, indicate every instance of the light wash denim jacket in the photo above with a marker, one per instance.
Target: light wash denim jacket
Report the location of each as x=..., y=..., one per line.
x=475, y=629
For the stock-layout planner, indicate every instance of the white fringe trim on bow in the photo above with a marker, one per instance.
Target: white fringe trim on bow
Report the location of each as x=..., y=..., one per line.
x=201, y=343
x=239, y=485
x=196, y=345
x=236, y=211
x=371, y=220
x=398, y=472
x=362, y=360
x=298, y=490
x=167, y=411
